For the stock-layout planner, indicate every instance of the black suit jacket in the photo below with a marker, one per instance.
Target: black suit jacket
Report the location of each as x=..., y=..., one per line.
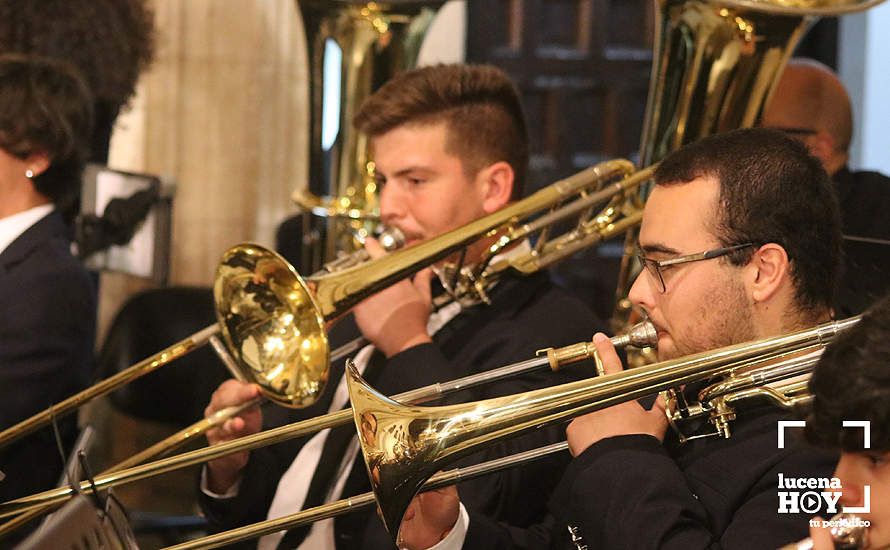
x=635, y=492
x=47, y=328
x=864, y=200
x=526, y=315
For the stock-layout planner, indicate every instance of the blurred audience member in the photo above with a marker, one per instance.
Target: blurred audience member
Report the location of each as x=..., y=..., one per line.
x=811, y=104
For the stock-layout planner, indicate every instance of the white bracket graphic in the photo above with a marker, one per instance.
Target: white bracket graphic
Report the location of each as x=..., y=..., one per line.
x=788, y=424
x=866, y=430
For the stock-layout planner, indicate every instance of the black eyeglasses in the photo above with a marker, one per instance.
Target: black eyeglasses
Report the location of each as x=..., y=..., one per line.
x=654, y=267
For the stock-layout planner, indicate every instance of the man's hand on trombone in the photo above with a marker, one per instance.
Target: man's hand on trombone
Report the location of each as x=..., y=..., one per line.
x=429, y=518
x=623, y=419
x=224, y=472
x=395, y=318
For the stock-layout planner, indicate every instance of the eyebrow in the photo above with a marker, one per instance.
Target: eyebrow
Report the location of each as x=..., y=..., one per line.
x=657, y=248
x=404, y=172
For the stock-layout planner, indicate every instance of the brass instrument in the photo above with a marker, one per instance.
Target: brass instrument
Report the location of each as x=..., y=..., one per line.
x=364, y=500
x=273, y=323
x=715, y=64
x=784, y=387
x=848, y=531
x=641, y=335
x=253, y=292
x=404, y=445
x=353, y=47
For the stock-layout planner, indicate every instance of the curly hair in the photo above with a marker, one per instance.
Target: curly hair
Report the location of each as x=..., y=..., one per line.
x=110, y=41
x=852, y=382
x=45, y=106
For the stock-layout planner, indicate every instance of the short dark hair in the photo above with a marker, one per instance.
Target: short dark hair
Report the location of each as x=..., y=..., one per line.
x=45, y=106
x=479, y=104
x=772, y=190
x=852, y=382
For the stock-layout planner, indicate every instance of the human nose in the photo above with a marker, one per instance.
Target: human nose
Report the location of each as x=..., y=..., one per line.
x=392, y=204
x=642, y=292
x=851, y=486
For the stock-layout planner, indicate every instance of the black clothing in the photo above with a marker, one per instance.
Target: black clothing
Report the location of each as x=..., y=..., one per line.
x=47, y=329
x=634, y=492
x=865, y=213
x=864, y=199
x=526, y=314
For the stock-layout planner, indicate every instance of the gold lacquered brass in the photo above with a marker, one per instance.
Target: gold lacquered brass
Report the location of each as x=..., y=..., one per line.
x=780, y=381
x=640, y=335
x=404, y=445
x=254, y=281
x=353, y=48
x=268, y=315
x=714, y=67
x=271, y=325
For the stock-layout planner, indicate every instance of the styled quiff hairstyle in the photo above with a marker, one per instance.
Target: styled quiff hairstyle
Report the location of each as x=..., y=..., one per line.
x=852, y=382
x=772, y=190
x=478, y=103
x=45, y=107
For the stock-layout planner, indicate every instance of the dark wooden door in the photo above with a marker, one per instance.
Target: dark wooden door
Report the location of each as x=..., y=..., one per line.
x=582, y=68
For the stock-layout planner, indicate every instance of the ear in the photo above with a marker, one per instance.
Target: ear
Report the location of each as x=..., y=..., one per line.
x=769, y=271
x=496, y=183
x=822, y=146
x=37, y=162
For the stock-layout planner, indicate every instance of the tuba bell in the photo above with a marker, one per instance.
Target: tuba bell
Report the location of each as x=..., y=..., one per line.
x=715, y=65
x=353, y=48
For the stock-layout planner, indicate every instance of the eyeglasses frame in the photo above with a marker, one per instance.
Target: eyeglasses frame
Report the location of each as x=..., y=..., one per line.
x=653, y=267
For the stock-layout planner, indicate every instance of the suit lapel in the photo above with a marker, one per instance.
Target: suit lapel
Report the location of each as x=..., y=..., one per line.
x=47, y=228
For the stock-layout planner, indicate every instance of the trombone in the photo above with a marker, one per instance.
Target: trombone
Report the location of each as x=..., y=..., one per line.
x=400, y=459
x=404, y=445
x=640, y=335
x=272, y=320
x=253, y=262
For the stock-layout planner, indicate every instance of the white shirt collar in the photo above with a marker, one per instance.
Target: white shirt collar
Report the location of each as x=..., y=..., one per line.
x=12, y=227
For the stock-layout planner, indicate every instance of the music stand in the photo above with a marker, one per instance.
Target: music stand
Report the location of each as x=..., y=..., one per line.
x=86, y=522
x=82, y=524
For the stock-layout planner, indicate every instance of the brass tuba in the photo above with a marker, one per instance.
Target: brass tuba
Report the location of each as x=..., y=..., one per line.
x=353, y=47
x=714, y=66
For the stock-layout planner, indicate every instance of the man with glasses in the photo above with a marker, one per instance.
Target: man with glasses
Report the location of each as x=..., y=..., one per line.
x=739, y=240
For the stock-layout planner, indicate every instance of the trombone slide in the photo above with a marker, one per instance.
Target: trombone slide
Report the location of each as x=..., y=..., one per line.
x=39, y=501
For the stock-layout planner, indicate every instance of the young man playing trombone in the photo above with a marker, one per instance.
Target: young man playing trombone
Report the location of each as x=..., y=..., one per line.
x=739, y=240
x=449, y=145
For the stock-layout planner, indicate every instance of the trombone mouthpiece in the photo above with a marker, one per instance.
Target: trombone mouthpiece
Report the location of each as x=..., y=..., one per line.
x=640, y=335
x=391, y=238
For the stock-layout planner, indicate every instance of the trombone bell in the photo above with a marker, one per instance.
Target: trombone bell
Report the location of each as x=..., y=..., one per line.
x=272, y=325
